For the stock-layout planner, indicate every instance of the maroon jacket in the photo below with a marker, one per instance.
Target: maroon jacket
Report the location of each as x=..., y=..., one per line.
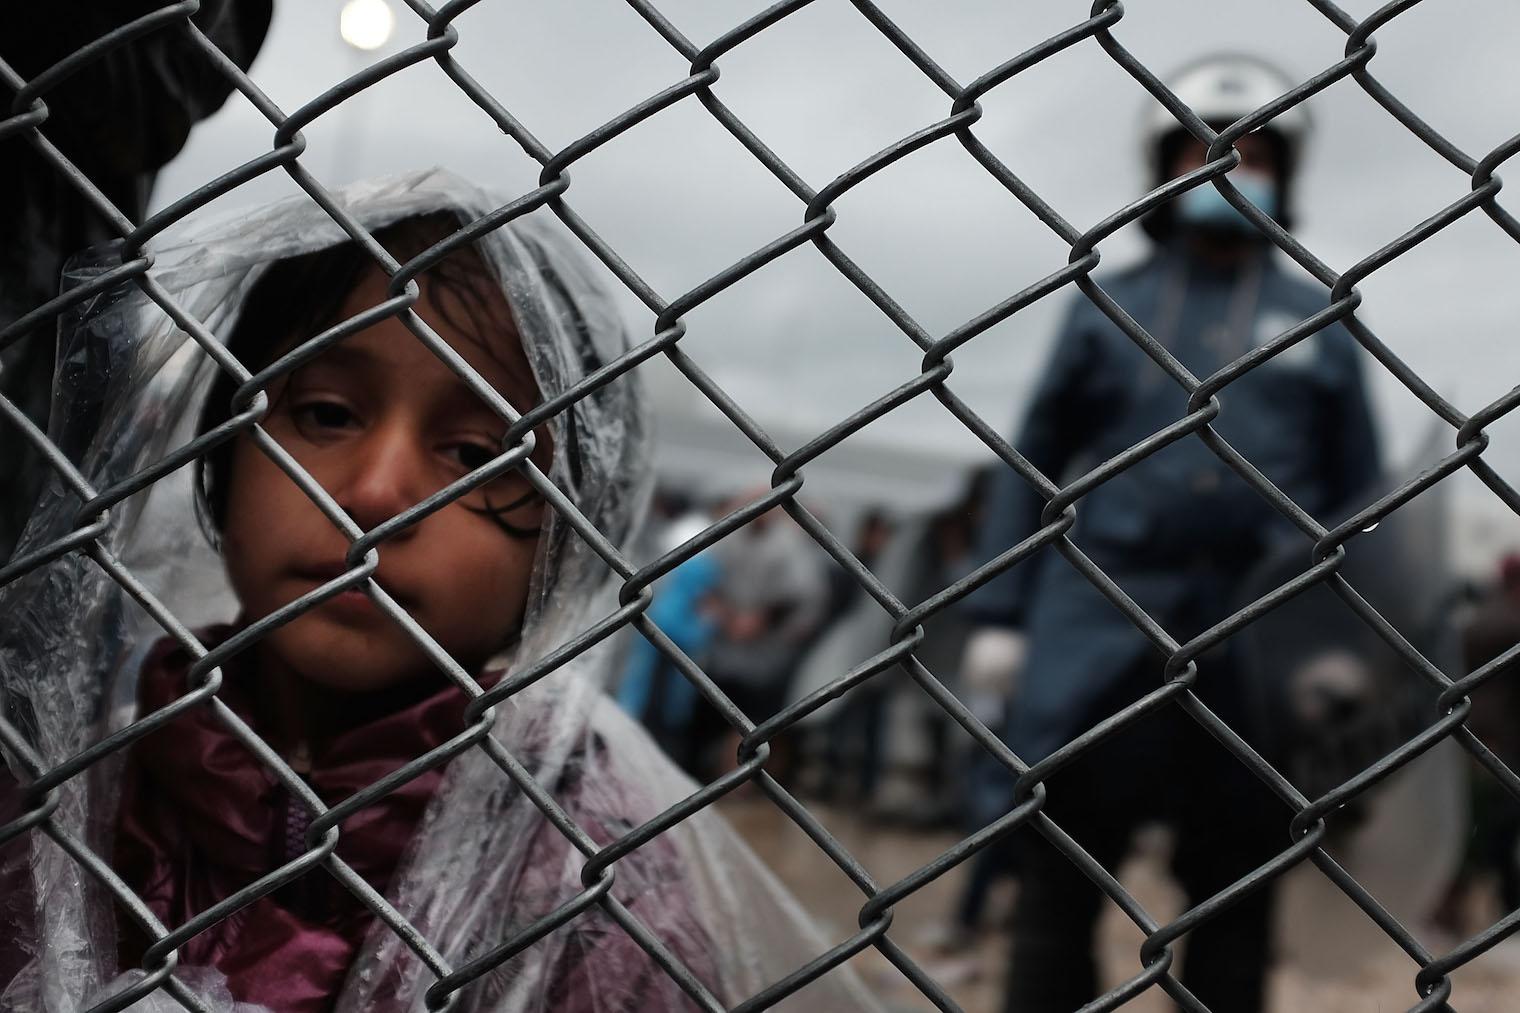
x=201, y=818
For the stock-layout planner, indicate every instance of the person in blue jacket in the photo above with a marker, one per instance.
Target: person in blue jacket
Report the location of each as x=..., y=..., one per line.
x=1177, y=532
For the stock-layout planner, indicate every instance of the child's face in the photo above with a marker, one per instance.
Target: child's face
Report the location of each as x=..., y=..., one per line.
x=381, y=424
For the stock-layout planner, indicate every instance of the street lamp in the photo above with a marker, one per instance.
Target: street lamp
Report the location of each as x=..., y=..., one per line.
x=366, y=24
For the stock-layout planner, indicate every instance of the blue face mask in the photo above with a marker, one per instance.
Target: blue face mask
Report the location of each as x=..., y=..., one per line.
x=1204, y=207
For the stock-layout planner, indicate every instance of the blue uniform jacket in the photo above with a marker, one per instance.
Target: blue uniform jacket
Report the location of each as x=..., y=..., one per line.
x=1178, y=530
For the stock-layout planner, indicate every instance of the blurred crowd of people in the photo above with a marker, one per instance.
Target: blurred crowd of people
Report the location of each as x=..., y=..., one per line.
x=771, y=618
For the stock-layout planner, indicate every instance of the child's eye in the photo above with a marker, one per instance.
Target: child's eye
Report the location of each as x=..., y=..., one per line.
x=470, y=455
x=324, y=415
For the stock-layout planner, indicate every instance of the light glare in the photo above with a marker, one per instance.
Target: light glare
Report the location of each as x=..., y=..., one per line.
x=366, y=24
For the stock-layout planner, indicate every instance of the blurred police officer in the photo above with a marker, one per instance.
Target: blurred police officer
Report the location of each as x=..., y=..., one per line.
x=1176, y=531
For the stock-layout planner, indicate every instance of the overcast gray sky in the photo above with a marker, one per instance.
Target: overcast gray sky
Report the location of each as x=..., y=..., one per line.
x=796, y=344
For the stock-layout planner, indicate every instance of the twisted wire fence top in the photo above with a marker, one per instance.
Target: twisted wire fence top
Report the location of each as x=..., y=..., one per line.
x=28, y=122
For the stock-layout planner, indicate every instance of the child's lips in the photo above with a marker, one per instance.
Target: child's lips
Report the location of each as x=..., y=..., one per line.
x=353, y=602
x=354, y=597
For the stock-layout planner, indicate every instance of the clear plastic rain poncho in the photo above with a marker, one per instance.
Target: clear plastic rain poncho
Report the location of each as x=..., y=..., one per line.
x=482, y=863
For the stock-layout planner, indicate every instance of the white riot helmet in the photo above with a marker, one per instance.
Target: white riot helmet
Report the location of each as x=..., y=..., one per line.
x=1221, y=89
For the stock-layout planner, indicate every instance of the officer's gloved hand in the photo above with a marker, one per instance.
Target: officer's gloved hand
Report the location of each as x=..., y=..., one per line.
x=990, y=668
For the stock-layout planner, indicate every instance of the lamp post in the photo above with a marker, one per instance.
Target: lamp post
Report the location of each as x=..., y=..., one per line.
x=365, y=26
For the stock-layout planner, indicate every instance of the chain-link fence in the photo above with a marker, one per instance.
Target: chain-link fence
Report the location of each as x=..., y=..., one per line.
x=30, y=125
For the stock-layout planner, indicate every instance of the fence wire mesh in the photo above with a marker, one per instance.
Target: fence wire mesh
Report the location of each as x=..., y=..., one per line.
x=29, y=122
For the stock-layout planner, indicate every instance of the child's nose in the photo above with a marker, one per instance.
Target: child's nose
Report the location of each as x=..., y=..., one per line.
x=384, y=477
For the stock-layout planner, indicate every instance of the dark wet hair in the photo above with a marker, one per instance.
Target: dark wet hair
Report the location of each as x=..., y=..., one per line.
x=301, y=296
